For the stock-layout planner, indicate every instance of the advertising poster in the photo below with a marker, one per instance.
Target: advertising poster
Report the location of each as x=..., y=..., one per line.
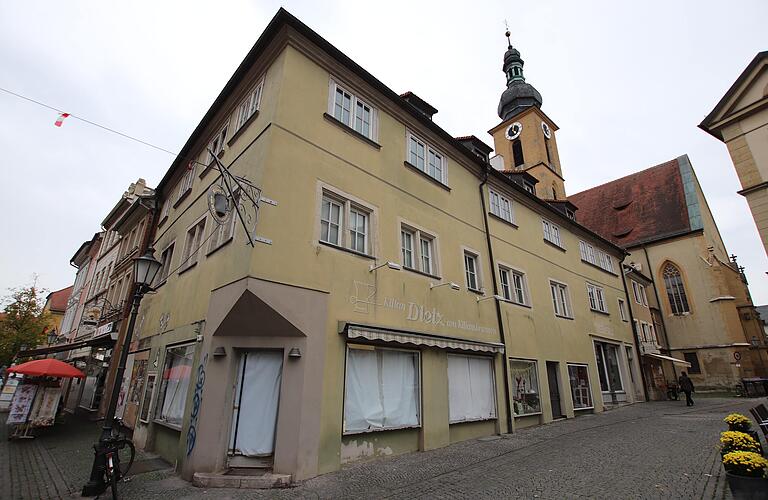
x=46, y=406
x=21, y=404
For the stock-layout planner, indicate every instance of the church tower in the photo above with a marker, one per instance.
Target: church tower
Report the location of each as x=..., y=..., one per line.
x=526, y=136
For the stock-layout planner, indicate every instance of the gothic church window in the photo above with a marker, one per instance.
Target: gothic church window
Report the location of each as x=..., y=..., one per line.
x=673, y=280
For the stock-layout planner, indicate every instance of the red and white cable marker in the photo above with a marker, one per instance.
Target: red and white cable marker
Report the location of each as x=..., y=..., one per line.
x=61, y=118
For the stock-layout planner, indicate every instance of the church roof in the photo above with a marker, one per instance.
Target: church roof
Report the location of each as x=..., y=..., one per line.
x=642, y=207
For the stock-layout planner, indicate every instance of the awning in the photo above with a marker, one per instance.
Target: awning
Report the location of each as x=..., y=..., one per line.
x=669, y=358
x=420, y=339
x=105, y=340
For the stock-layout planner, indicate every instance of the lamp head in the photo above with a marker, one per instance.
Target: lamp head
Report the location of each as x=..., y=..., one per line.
x=145, y=268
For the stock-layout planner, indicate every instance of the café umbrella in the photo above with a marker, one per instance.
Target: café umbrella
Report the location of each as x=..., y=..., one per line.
x=47, y=368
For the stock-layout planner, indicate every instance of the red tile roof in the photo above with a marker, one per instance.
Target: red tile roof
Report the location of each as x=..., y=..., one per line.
x=57, y=301
x=638, y=208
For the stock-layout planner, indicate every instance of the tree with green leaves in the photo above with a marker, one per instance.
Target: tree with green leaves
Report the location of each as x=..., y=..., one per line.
x=23, y=322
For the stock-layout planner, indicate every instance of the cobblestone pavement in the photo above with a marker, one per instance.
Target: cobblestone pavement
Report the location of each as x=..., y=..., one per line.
x=648, y=450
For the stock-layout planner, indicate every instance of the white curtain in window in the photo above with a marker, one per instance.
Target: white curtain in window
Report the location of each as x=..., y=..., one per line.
x=178, y=367
x=381, y=390
x=471, y=395
x=260, y=393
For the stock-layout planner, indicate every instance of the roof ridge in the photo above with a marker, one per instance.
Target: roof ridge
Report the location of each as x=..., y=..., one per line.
x=627, y=176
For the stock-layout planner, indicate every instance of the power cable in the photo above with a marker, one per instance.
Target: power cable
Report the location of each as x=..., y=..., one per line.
x=103, y=127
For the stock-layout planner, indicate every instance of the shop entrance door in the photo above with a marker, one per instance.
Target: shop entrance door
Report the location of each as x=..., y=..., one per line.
x=554, y=389
x=254, y=416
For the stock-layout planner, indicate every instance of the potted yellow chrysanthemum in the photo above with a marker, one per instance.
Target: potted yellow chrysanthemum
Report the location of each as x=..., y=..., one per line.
x=737, y=441
x=745, y=471
x=738, y=422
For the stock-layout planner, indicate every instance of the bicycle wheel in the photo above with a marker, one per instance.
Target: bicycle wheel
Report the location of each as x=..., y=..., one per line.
x=111, y=474
x=127, y=452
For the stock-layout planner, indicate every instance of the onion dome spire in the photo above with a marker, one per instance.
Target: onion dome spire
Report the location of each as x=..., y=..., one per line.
x=519, y=94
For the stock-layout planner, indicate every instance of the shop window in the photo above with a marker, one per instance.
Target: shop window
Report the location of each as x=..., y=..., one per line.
x=174, y=384
x=580, y=391
x=471, y=394
x=693, y=359
x=381, y=389
x=607, y=356
x=525, y=382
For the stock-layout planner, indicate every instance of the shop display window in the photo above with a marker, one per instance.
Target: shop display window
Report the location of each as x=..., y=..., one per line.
x=580, y=391
x=381, y=389
x=525, y=386
x=174, y=384
x=471, y=394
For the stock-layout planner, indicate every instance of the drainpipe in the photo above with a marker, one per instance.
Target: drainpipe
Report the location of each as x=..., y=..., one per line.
x=636, y=334
x=658, y=301
x=495, y=301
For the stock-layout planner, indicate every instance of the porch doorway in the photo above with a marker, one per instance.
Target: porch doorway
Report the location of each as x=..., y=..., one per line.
x=554, y=389
x=254, y=414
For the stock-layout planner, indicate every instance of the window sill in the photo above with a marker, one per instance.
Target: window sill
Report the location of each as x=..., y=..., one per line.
x=182, y=197
x=162, y=221
x=598, y=311
x=209, y=167
x=562, y=249
x=416, y=271
x=502, y=219
x=585, y=408
x=473, y=420
x=381, y=429
x=187, y=268
x=564, y=317
x=347, y=250
x=242, y=128
x=510, y=301
x=167, y=425
x=346, y=128
x=426, y=176
x=220, y=245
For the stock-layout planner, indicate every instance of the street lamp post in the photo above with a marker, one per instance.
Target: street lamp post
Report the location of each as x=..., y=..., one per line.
x=145, y=268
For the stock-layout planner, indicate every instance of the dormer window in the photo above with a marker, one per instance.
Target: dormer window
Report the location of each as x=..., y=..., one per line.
x=529, y=187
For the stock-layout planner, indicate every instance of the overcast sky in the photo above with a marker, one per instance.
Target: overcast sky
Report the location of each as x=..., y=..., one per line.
x=627, y=83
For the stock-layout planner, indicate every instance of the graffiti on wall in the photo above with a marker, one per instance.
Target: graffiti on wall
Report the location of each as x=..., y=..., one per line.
x=196, y=402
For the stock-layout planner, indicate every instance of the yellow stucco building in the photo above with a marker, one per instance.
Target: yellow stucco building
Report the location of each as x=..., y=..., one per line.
x=740, y=120
x=404, y=291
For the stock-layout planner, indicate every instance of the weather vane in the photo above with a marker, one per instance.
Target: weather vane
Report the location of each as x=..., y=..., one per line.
x=507, y=33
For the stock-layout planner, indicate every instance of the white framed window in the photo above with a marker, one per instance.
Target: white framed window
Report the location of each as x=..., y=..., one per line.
x=249, y=105
x=186, y=182
x=331, y=219
x=596, y=298
x=471, y=388
x=345, y=223
x=352, y=111
x=514, y=286
x=167, y=259
x=581, y=393
x=381, y=389
x=217, y=143
x=193, y=243
x=560, y=300
x=623, y=310
x=551, y=233
x=471, y=271
x=426, y=158
x=177, y=368
x=417, y=250
x=525, y=392
x=165, y=211
x=596, y=257
x=501, y=206
x=222, y=233
x=638, y=291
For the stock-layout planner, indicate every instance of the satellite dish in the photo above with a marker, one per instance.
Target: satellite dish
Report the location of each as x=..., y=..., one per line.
x=220, y=204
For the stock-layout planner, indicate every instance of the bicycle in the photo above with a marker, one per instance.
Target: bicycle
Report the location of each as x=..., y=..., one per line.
x=116, y=448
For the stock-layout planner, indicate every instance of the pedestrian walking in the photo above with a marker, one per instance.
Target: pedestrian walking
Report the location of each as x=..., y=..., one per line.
x=686, y=385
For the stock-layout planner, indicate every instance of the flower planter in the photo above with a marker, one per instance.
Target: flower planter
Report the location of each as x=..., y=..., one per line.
x=747, y=488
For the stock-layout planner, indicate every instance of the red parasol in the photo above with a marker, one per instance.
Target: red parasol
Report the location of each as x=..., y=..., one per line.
x=47, y=368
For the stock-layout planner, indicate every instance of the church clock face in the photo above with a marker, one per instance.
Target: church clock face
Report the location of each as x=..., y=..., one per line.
x=546, y=130
x=513, y=131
